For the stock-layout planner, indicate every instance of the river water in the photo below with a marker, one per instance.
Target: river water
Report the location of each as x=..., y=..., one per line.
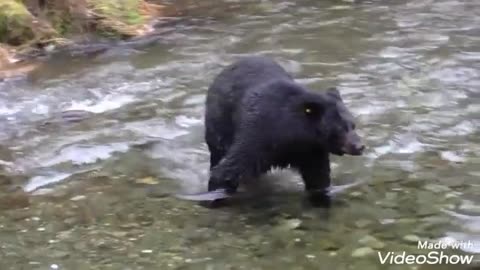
x=95, y=193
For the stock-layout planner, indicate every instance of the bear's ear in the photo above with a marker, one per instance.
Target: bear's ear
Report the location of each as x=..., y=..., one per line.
x=313, y=109
x=333, y=92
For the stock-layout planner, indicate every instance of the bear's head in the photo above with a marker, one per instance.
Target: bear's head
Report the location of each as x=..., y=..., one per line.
x=330, y=123
x=340, y=123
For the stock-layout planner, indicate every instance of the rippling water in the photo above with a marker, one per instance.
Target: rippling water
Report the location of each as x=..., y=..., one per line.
x=409, y=71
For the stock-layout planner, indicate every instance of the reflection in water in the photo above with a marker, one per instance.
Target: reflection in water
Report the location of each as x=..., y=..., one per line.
x=408, y=71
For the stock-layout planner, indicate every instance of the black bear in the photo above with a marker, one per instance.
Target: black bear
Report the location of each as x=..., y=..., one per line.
x=257, y=117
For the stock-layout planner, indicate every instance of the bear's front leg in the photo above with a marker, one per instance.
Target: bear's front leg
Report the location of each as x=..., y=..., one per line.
x=230, y=185
x=315, y=171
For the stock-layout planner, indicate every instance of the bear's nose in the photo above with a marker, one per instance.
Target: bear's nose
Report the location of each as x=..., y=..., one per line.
x=358, y=149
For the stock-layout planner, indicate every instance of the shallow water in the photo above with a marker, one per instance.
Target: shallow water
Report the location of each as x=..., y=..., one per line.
x=95, y=193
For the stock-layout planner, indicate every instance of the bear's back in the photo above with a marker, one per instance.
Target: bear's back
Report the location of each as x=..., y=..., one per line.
x=246, y=74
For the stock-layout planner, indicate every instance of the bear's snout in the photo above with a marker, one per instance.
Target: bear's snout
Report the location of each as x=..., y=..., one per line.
x=353, y=144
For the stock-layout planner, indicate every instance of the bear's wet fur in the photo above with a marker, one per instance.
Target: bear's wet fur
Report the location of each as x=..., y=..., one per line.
x=257, y=117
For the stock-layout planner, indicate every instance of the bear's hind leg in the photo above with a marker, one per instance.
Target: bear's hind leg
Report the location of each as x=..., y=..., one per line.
x=239, y=163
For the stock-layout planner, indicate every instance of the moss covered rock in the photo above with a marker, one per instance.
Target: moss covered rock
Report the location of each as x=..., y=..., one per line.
x=22, y=22
x=123, y=17
x=29, y=27
x=15, y=23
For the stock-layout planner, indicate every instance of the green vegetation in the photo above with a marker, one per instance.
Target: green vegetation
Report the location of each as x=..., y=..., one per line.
x=15, y=23
x=126, y=11
x=29, y=23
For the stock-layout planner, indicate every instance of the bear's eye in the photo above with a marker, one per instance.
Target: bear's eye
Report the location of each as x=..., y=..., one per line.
x=312, y=109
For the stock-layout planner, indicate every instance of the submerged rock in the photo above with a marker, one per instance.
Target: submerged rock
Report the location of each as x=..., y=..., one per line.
x=411, y=238
x=5, y=180
x=15, y=200
x=372, y=242
x=149, y=180
x=290, y=224
x=362, y=223
x=362, y=252
x=437, y=188
x=329, y=244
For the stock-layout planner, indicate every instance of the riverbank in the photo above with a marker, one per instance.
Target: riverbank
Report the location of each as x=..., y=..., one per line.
x=36, y=27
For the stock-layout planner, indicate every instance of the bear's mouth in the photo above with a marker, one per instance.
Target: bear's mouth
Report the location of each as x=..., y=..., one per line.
x=353, y=151
x=338, y=152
